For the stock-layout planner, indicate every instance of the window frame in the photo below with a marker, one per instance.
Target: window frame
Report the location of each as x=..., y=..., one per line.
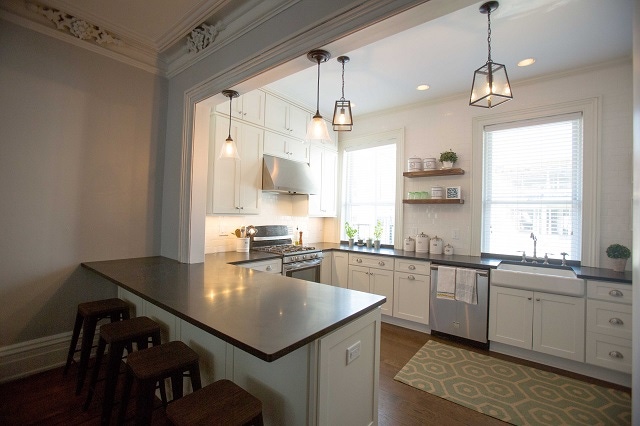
x=591, y=185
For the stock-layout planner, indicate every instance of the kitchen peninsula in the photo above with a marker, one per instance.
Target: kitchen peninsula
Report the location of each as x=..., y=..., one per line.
x=308, y=351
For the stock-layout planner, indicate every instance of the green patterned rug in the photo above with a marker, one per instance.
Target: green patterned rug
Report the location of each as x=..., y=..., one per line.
x=510, y=392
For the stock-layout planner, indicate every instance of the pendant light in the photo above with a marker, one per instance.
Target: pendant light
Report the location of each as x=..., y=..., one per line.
x=342, y=118
x=490, y=82
x=229, y=147
x=317, y=129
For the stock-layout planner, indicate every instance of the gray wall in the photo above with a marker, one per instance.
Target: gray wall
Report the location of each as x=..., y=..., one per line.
x=81, y=165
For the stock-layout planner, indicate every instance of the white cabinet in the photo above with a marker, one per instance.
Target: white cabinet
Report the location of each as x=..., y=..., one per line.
x=326, y=268
x=324, y=169
x=340, y=269
x=235, y=186
x=283, y=117
x=411, y=290
x=285, y=147
x=372, y=274
x=547, y=323
x=609, y=325
x=249, y=107
x=273, y=266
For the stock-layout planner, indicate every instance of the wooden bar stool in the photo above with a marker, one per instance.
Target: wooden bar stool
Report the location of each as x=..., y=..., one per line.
x=89, y=313
x=220, y=403
x=150, y=366
x=120, y=335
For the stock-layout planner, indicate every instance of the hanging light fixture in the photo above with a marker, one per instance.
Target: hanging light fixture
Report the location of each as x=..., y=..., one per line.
x=342, y=118
x=317, y=129
x=490, y=82
x=229, y=147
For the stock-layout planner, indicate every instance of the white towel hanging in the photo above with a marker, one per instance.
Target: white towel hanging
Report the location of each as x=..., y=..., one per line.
x=446, y=283
x=466, y=289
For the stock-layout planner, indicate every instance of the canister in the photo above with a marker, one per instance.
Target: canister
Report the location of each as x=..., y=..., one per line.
x=429, y=163
x=448, y=249
x=415, y=164
x=409, y=244
x=422, y=243
x=242, y=245
x=435, y=246
x=436, y=192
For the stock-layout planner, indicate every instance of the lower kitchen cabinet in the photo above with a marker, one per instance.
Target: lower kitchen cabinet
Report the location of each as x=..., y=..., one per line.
x=273, y=266
x=325, y=268
x=411, y=291
x=340, y=269
x=378, y=280
x=548, y=323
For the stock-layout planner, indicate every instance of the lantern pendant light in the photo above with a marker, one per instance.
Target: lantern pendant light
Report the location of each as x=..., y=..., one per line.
x=229, y=147
x=490, y=82
x=342, y=118
x=317, y=129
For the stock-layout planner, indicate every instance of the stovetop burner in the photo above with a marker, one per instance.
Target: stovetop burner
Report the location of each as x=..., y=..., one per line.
x=285, y=249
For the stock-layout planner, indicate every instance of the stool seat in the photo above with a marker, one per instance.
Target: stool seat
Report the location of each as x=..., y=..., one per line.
x=220, y=403
x=87, y=317
x=120, y=335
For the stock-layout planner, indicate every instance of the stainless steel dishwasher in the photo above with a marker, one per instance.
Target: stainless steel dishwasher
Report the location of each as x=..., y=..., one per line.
x=457, y=318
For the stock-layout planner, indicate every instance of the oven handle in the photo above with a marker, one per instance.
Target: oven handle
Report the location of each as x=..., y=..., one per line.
x=304, y=263
x=480, y=273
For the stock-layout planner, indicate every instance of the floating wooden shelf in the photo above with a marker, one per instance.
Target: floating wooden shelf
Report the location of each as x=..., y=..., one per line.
x=433, y=201
x=439, y=172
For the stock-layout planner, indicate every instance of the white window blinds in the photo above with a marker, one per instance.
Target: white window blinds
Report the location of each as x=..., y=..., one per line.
x=370, y=191
x=533, y=184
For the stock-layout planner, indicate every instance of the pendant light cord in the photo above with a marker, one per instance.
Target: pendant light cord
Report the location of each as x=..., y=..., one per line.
x=318, y=90
x=342, y=98
x=230, y=100
x=489, y=34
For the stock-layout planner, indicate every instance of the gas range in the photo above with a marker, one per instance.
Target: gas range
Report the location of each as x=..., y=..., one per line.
x=292, y=253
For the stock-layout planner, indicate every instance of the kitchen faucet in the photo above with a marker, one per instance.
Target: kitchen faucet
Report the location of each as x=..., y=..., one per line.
x=535, y=241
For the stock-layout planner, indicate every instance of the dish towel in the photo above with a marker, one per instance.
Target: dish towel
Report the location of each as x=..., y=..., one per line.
x=446, y=283
x=466, y=290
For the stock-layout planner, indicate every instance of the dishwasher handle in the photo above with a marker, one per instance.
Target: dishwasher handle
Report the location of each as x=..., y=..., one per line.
x=480, y=273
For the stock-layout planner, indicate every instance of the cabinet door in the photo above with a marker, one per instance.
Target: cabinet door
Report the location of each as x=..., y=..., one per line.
x=326, y=268
x=224, y=181
x=359, y=278
x=511, y=316
x=276, y=114
x=558, y=325
x=285, y=147
x=250, y=182
x=328, y=205
x=297, y=150
x=315, y=164
x=253, y=107
x=340, y=269
x=381, y=283
x=411, y=297
x=298, y=121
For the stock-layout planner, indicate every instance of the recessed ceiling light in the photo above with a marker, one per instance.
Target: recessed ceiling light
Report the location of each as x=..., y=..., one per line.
x=423, y=87
x=526, y=62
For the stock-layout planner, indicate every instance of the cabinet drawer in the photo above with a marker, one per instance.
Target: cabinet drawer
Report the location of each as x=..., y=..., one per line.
x=412, y=266
x=610, y=318
x=379, y=262
x=613, y=292
x=609, y=352
x=272, y=266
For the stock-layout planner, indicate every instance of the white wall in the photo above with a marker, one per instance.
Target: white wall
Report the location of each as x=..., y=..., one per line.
x=79, y=176
x=431, y=128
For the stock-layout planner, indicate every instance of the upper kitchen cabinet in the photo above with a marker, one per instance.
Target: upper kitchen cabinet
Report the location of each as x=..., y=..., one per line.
x=249, y=107
x=234, y=186
x=324, y=169
x=283, y=117
x=285, y=147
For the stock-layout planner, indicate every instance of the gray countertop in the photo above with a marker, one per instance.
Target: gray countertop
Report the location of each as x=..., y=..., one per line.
x=266, y=315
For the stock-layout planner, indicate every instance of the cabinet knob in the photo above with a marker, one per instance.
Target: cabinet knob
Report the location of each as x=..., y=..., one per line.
x=241, y=208
x=537, y=299
x=381, y=263
x=411, y=277
x=616, y=321
x=359, y=260
x=269, y=268
x=529, y=298
x=411, y=267
x=616, y=354
x=616, y=293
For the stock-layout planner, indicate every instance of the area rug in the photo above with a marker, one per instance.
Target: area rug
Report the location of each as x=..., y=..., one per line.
x=510, y=392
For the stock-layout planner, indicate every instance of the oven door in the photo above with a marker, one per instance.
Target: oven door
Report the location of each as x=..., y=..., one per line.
x=308, y=270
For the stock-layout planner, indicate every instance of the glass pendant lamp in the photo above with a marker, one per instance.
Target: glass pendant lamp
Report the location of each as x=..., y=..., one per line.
x=342, y=118
x=317, y=129
x=229, y=147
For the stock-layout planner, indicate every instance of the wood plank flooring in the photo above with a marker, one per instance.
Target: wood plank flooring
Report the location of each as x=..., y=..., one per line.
x=48, y=398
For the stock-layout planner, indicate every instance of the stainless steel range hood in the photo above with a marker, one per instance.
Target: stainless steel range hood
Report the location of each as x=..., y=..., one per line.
x=286, y=176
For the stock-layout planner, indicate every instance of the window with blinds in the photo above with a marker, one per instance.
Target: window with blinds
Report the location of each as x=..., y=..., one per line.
x=370, y=191
x=532, y=183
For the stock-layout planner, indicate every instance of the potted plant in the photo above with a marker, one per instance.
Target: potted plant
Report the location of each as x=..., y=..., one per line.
x=351, y=232
x=447, y=159
x=377, y=233
x=619, y=255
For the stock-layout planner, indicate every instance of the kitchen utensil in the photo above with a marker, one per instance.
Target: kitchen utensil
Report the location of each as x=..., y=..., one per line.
x=242, y=232
x=409, y=244
x=435, y=246
x=237, y=232
x=448, y=249
x=415, y=164
x=251, y=231
x=422, y=243
x=436, y=192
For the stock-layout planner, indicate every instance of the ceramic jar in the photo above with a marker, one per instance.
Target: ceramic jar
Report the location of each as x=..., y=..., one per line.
x=429, y=164
x=409, y=244
x=422, y=243
x=437, y=192
x=448, y=249
x=415, y=164
x=435, y=246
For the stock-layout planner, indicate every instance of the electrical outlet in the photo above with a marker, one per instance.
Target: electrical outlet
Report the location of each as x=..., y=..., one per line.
x=455, y=233
x=353, y=352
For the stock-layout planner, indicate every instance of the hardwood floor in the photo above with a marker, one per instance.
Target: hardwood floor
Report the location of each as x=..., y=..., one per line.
x=48, y=398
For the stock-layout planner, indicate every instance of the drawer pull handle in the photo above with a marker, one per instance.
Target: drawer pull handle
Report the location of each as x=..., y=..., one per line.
x=411, y=277
x=537, y=299
x=381, y=263
x=359, y=260
x=529, y=298
x=269, y=268
x=616, y=354
x=616, y=293
x=411, y=267
x=616, y=321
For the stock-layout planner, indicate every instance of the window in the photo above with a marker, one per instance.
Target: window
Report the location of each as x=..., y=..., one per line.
x=369, y=190
x=533, y=184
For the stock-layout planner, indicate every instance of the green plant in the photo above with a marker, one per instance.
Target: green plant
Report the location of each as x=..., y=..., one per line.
x=618, y=251
x=350, y=231
x=377, y=230
x=448, y=156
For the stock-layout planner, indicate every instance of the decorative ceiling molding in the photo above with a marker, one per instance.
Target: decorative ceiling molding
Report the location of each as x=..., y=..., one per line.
x=78, y=28
x=203, y=36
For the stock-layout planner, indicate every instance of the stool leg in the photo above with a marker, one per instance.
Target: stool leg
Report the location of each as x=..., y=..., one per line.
x=94, y=374
x=88, y=331
x=74, y=342
x=126, y=393
x=144, y=402
x=177, y=385
x=194, y=372
x=111, y=380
